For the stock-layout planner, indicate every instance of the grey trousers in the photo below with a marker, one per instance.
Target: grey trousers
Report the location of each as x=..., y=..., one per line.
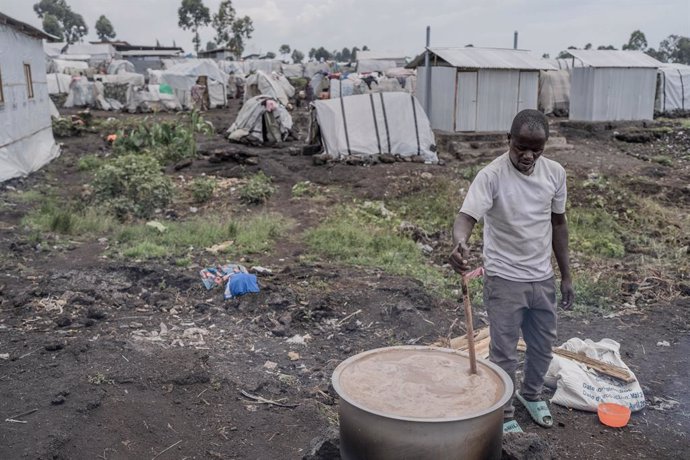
x=529, y=307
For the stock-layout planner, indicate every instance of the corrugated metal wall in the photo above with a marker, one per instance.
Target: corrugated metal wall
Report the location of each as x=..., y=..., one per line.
x=609, y=94
x=485, y=100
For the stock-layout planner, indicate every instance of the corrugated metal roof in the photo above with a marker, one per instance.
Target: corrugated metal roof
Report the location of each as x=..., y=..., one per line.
x=614, y=58
x=490, y=58
x=25, y=28
x=150, y=53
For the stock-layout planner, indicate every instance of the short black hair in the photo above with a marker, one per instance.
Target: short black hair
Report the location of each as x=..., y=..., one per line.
x=534, y=120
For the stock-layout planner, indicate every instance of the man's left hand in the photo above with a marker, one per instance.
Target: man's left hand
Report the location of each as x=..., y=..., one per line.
x=567, y=294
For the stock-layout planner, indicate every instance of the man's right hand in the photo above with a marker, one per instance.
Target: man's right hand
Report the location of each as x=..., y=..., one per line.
x=459, y=258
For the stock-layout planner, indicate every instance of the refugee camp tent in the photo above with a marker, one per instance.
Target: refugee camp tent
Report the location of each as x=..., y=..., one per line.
x=54, y=49
x=68, y=66
x=262, y=119
x=85, y=93
x=182, y=78
x=478, y=89
x=148, y=57
x=26, y=135
x=58, y=83
x=293, y=70
x=372, y=124
x=311, y=68
x=554, y=87
x=264, y=65
x=98, y=53
x=151, y=98
x=120, y=65
x=673, y=88
x=274, y=85
x=612, y=85
x=379, y=61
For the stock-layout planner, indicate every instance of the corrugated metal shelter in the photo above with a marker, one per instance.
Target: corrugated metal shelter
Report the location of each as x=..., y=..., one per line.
x=612, y=85
x=379, y=61
x=478, y=89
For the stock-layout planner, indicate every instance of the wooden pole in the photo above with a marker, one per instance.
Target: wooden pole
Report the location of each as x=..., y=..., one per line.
x=470, y=328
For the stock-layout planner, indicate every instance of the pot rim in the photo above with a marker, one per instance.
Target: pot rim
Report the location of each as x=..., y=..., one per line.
x=507, y=384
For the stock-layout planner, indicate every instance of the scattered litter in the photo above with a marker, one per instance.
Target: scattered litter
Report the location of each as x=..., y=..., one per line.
x=299, y=339
x=193, y=209
x=15, y=418
x=270, y=365
x=663, y=343
x=164, y=329
x=261, y=400
x=220, y=247
x=293, y=355
x=103, y=240
x=661, y=404
x=157, y=225
x=261, y=270
x=51, y=304
x=4, y=356
x=192, y=331
x=238, y=280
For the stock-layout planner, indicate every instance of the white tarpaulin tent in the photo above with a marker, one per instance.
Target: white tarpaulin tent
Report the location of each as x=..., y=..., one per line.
x=262, y=119
x=273, y=85
x=26, y=135
x=372, y=124
x=98, y=53
x=119, y=66
x=58, y=83
x=673, y=88
x=183, y=76
x=70, y=67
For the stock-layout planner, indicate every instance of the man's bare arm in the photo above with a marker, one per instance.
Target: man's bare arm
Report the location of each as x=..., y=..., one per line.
x=462, y=229
x=559, y=224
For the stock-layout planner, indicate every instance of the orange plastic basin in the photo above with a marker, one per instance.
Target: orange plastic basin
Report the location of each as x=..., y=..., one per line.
x=613, y=415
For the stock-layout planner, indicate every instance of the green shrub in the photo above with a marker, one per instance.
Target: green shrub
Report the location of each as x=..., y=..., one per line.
x=132, y=185
x=258, y=189
x=89, y=163
x=304, y=188
x=595, y=232
x=69, y=220
x=64, y=127
x=202, y=189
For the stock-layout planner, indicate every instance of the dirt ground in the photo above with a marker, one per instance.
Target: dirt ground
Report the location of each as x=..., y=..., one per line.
x=137, y=360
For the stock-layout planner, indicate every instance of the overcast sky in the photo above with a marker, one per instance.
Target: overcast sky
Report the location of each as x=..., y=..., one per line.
x=545, y=26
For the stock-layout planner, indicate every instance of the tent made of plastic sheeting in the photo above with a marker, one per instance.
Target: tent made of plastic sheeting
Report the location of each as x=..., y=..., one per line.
x=84, y=93
x=293, y=70
x=312, y=67
x=151, y=99
x=263, y=65
x=375, y=65
x=182, y=78
x=262, y=119
x=554, y=92
x=58, y=83
x=54, y=49
x=372, y=124
x=134, y=79
x=26, y=135
x=98, y=53
x=68, y=67
x=273, y=85
x=673, y=88
x=120, y=66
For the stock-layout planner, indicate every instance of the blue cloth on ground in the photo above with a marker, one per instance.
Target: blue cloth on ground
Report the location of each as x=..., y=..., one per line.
x=240, y=284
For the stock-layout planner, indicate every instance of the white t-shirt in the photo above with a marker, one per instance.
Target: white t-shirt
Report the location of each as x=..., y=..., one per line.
x=517, y=216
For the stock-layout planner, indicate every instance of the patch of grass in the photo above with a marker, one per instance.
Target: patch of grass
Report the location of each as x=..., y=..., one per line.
x=684, y=123
x=304, y=188
x=202, y=189
x=594, y=293
x=30, y=196
x=253, y=235
x=351, y=238
x=66, y=220
x=663, y=160
x=89, y=163
x=99, y=379
x=433, y=208
x=594, y=232
x=258, y=189
x=470, y=172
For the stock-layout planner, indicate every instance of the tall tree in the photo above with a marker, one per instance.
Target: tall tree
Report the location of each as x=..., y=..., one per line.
x=588, y=46
x=193, y=14
x=365, y=48
x=242, y=30
x=52, y=26
x=637, y=41
x=284, y=49
x=270, y=55
x=676, y=48
x=297, y=56
x=322, y=53
x=353, y=54
x=312, y=53
x=345, y=54
x=105, y=29
x=222, y=22
x=71, y=24
x=607, y=47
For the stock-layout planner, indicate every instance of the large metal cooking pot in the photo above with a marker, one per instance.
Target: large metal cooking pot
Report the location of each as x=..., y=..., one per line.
x=368, y=434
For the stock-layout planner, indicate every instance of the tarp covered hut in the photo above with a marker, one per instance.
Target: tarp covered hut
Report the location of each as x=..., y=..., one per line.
x=26, y=134
x=673, y=88
x=373, y=124
x=478, y=89
x=612, y=85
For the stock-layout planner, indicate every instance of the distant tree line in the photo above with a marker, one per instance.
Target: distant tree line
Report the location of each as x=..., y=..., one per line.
x=674, y=48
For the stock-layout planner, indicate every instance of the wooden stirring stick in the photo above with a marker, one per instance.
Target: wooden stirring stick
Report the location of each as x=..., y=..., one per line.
x=470, y=328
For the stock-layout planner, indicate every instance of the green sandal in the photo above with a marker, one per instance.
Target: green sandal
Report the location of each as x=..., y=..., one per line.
x=538, y=410
x=512, y=426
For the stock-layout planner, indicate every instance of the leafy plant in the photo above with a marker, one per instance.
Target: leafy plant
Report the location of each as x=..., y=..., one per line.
x=132, y=185
x=304, y=188
x=258, y=189
x=202, y=189
x=89, y=163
